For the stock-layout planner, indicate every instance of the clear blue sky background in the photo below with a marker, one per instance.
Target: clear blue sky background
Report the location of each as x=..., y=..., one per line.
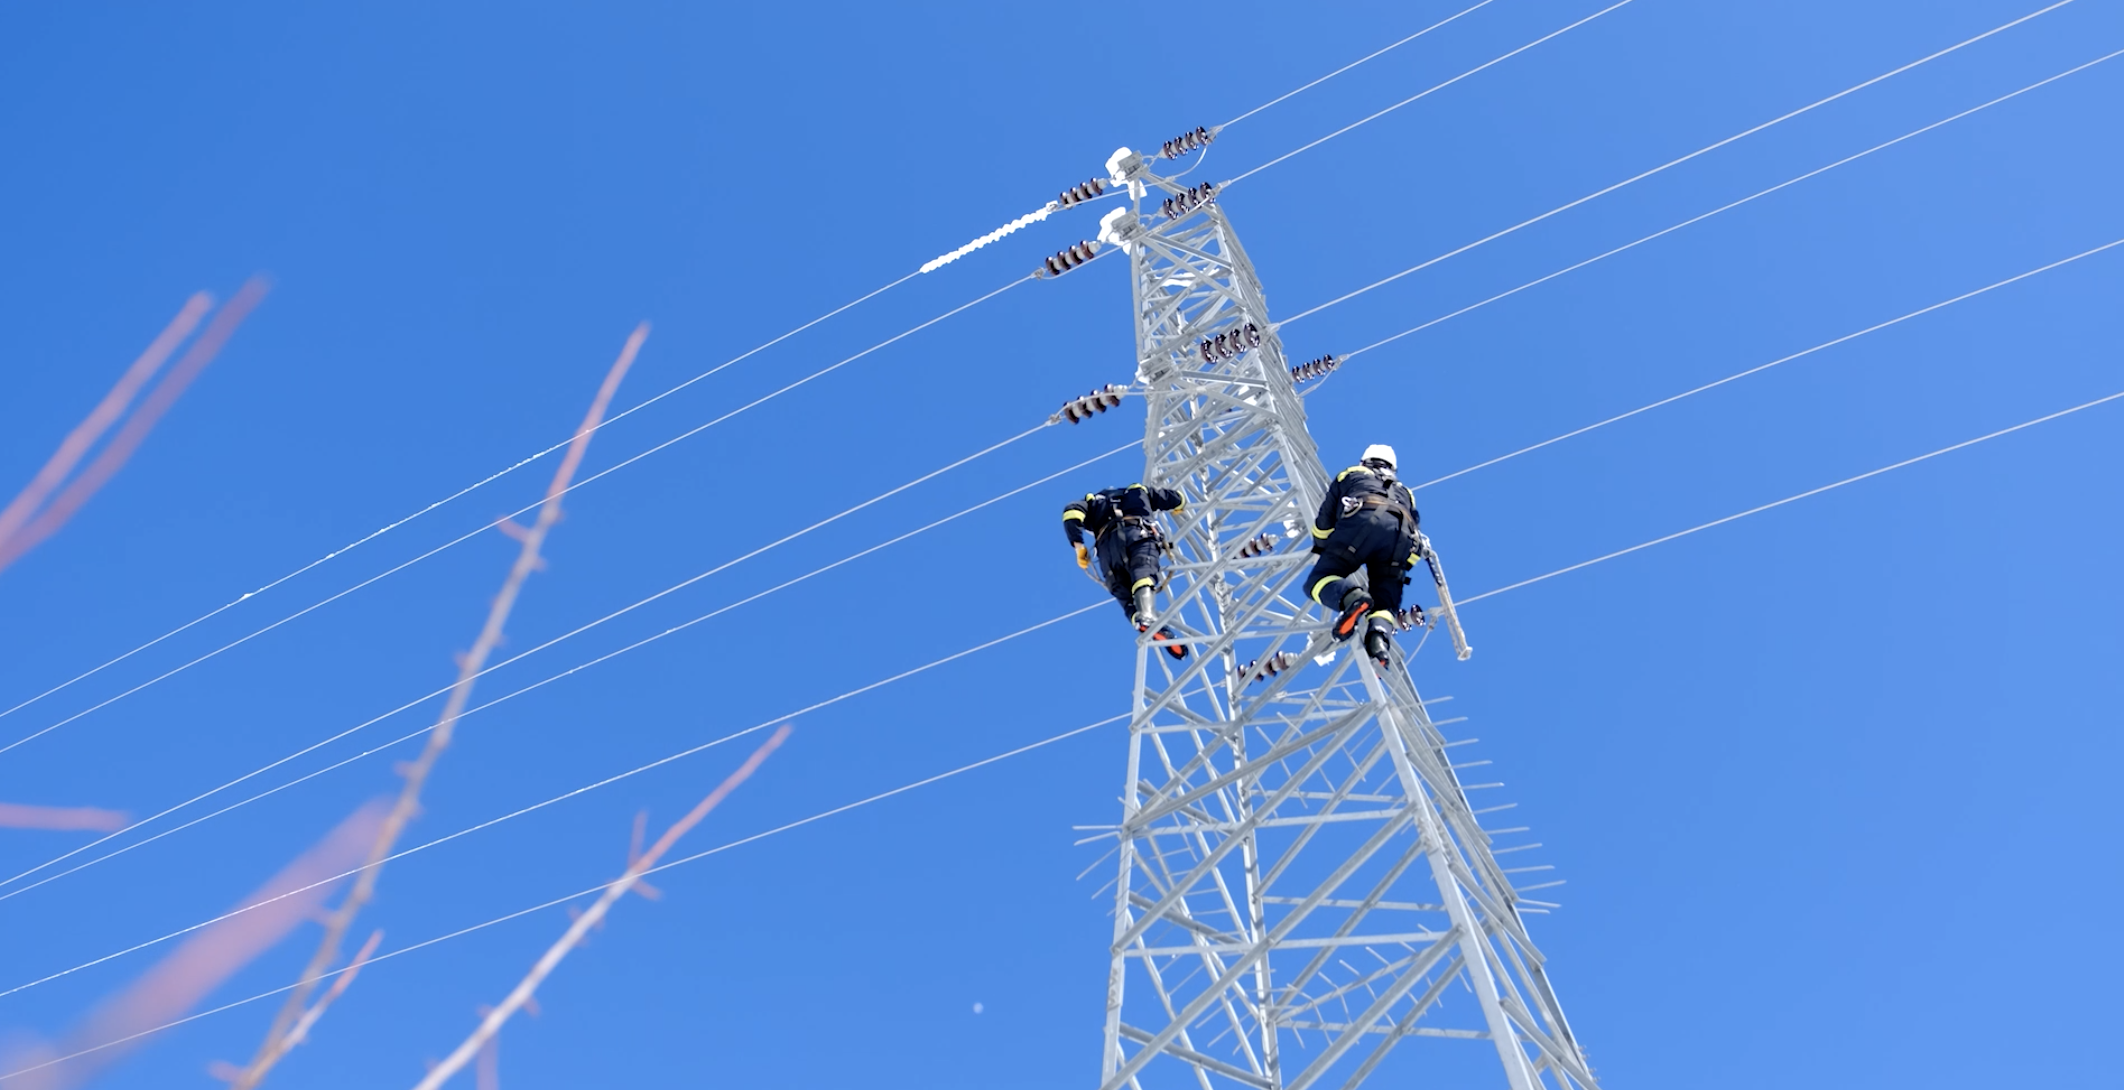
x=1833, y=787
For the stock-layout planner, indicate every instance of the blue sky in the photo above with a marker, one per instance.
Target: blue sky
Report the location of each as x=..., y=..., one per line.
x=1830, y=785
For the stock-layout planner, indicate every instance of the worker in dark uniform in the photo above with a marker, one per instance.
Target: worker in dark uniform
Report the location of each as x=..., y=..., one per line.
x=1127, y=541
x=1368, y=520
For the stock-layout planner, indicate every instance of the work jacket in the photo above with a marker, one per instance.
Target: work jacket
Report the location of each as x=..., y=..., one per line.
x=1116, y=508
x=1365, y=496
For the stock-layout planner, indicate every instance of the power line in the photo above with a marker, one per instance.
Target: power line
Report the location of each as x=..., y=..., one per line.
x=1354, y=353
x=990, y=760
x=1427, y=93
x=558, y=901
x=1068, y=201
x=473, y=487
x=763, y=399
x=1376, y=53
x=1669, y=164
x=569, y=672
x=1793, y=498
x=557, y=446
x=1737, y=375
x=527, y=462
x=762, y=725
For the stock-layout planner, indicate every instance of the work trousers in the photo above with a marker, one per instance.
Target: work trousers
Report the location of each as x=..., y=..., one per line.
x=1129, y=557
x=1374, y=541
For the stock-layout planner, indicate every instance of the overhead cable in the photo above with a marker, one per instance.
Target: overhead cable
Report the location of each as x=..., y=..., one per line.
x=1096, y=188
x=555, y=902
x=1737, y=375
x=491, y=822
x=1671, y=163
x=559, y=901
x=468, y=489
x=725, y=847
x=541, y=683
x=1794, y=498
x=1433, y=90
x=505, y=471
x=1355, y=63
x=1449, y=316
x=681, y=437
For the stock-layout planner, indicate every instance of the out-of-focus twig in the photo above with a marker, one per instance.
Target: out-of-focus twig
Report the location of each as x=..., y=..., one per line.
x=178, y=982
x=492, y=1023
x=487, y=1073
x=416, y=774
x=340, y=983
x=77, y=442
x=15, y=815
x=136, y=428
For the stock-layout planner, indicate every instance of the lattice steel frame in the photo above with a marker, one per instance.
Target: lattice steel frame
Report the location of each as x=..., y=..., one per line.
x=1297, y=853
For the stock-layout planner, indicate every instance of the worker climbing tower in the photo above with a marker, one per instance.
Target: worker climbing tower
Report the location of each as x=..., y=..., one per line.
x=1304, y=887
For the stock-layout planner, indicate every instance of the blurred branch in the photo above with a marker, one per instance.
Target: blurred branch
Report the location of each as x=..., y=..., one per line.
x=15, y=815
x=492, y=1023
x=85, y=434
x=136, y=428
x=416, y=774
x=487, y=1074
x=209, y=957
x=309, y=1018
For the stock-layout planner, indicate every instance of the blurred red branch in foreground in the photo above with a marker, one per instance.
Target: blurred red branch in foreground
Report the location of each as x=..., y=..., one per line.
x=77, y=442
x=15, y=815
x=191, y=972
x=47, y=522
x=642, y=864
x=469, y=666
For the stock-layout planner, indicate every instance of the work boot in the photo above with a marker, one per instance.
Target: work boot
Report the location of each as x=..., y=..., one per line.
x=1356, y=602
x=1144, y=602
x=1168, y=639
x=1378, y=639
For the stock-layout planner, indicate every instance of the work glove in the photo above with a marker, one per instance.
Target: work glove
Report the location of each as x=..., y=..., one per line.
x=1083, y=556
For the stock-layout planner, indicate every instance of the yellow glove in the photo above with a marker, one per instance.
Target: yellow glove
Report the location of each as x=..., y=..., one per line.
x=1083, y=556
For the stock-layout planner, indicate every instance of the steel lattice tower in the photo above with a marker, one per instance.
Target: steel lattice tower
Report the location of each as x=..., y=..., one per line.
x=1302, y=878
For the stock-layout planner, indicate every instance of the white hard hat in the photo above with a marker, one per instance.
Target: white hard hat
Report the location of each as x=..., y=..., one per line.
x=1378, y=452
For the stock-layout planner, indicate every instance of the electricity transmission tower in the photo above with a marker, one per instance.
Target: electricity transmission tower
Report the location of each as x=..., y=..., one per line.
x=1304, y=885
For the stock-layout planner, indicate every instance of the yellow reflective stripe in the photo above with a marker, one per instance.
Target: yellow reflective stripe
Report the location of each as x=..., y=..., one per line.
x=1319, y=533
x=1141, y=583
x=1073, y=514
x=1317, y=587
x=1413, y=557
x=1352, y=469
x=1378, y=614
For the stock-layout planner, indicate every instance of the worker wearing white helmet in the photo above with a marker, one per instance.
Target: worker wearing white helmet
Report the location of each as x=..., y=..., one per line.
x=1367, y=521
